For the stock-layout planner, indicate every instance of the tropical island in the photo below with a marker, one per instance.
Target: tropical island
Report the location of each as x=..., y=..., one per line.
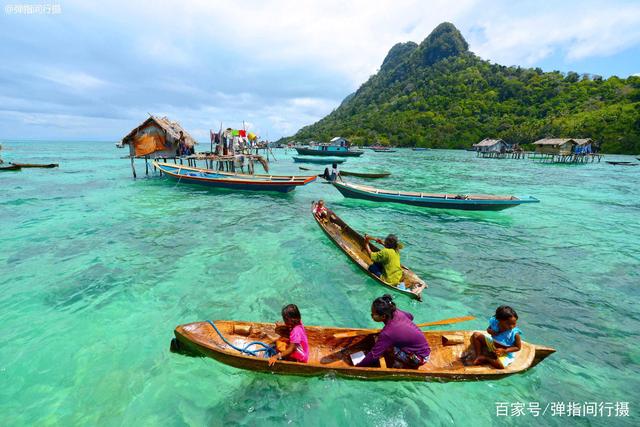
x=438, y=94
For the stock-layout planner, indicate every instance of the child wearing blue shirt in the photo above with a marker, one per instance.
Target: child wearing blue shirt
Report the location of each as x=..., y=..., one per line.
x=502, y=341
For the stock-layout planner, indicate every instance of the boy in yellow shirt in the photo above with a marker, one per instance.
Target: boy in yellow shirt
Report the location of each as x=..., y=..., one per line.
x=386, y=261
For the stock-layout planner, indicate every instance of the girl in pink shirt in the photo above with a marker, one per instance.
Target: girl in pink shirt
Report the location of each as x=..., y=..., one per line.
x=296, y=348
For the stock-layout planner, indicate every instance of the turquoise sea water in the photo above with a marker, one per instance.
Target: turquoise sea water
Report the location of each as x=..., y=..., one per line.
x=98, y=268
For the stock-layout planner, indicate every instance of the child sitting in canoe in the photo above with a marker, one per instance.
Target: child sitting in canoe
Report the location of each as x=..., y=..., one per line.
x=502, y=339
x=386, y=262
x=400, y=340
x=296, y=348
x=320, y=210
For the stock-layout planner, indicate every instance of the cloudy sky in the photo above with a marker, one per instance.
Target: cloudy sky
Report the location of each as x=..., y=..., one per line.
x=93, y=70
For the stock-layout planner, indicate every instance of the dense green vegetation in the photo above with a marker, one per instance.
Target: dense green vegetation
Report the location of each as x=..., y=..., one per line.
x=438, y=94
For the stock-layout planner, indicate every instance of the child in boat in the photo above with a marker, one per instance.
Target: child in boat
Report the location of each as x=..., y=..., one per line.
x=386, y=262
x=321, y=211
x=296, y=348
x=502, y=339
x=400, y=339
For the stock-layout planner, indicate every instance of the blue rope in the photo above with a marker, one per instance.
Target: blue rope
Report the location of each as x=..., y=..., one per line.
x=268, y=350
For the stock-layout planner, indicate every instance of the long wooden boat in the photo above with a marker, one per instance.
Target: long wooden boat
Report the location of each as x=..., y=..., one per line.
x=365, y=175
x=623, y=163
x=420, y=149
x=9, y=167
x=328, y=150
x=327, y=355
x=352, y=244
x=36, y=165
x=475, y=202
x=358, y=174
x=237, y=181
x=384, y=150
x=319, y=160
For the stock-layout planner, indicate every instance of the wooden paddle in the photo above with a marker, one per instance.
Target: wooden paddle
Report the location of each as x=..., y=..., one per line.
x=419, y=325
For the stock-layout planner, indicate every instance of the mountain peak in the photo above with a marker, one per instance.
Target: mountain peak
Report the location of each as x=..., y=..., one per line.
x=444, y=41
x=398, y=53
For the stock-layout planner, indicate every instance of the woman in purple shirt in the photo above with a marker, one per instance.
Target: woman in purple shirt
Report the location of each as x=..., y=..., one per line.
x=400, y=339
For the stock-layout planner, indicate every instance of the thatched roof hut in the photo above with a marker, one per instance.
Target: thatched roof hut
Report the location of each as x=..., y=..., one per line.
x=491, y=145
x=561, y=146
x=157, y=137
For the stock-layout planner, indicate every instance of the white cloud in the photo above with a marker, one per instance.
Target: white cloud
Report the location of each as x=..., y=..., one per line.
x=77, y=80
x=574, y=32
x=278, y=65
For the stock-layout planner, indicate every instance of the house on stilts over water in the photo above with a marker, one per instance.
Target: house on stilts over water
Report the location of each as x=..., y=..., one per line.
x=161, y=138
x=565, y=150
x=498, y=149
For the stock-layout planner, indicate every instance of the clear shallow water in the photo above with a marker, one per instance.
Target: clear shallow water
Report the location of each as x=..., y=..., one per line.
x=99, y=268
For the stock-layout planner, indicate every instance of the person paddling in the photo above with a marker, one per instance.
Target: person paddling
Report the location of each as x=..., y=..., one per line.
x=386, y=262
x=400, y=340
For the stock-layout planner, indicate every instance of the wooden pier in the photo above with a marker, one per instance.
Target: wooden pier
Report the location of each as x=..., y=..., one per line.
x=230, y=163
x=499, y=155
x=565, y=158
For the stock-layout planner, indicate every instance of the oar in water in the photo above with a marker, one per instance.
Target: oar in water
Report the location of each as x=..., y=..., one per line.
x=420, y=325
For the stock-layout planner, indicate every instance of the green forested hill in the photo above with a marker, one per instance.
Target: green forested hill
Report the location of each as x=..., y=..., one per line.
x=438, y=94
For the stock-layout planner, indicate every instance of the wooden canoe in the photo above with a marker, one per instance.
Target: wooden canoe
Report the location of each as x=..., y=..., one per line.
x=365, y=175
x=352, y=244
x=36, y=165
x=332, y=355
x=358, y=174
x=475, y=202
x=623, y=163
x=319, y=160
x=236, y=181
x=10, y=167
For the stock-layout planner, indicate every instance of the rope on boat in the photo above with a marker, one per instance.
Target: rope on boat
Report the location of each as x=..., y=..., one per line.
x=268, y=350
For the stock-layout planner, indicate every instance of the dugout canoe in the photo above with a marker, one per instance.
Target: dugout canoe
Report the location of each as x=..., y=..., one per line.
x=235, y=181
x=318, y=160
x=9, y=167
x=352, y=244
x=329, y=355
x=358, y=174
x=36, y=165
x=474, y=202
x=365, y=175
x=623, y=163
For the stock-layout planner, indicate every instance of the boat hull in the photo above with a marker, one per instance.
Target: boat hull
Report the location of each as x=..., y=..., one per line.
x=351, y=243
x=419, y=199
x=318, y=160
x=313, y=152
x=365, y=175
x=330, y=355
x=214, y=179
x=36, y=165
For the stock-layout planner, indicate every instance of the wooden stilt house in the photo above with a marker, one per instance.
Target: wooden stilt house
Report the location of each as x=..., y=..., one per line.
x=157, y=137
